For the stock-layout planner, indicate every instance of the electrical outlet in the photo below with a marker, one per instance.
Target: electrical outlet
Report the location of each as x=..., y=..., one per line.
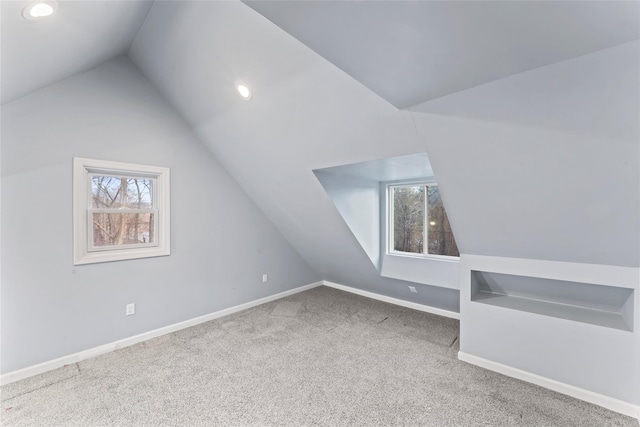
x=131, y=309
x=413, y=289
x=265, y=278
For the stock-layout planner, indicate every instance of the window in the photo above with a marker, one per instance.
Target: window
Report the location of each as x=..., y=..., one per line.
x=417, y=215
x=121, y=211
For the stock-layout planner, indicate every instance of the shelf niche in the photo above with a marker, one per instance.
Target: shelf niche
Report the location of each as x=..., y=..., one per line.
x=608, y=306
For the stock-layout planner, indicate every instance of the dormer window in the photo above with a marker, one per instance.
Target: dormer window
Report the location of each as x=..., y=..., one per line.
x=418, y=223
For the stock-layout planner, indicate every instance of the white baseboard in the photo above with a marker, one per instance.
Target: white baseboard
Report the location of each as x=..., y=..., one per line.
x=610, y=403
x=586, y=395
x=396, y=301
x=50, y=365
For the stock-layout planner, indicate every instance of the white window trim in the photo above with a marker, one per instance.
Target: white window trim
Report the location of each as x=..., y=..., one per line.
x=83, y=252
x=389, y=224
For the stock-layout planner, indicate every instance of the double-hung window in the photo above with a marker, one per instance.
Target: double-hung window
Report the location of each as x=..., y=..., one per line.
x=418, y=223
x=121, y=211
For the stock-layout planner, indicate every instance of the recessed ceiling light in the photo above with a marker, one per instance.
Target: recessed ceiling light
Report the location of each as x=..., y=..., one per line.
x=39, y=9
x=243, y=90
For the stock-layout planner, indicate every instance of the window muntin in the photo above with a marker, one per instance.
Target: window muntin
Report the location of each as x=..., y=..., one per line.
x=411, y=206
x=121, y=211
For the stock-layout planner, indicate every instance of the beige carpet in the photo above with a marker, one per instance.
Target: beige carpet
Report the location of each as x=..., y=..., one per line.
x=318, y=358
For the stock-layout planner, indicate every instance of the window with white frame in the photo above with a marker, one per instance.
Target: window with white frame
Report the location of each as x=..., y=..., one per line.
x=418, y=223
x=121, y=211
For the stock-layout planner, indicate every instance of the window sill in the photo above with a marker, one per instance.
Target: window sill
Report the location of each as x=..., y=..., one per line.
x=428, y=270
x=424, y=257
x=119, y=255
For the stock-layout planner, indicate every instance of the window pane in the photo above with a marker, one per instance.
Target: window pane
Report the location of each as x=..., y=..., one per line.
x=113, y=229
x=115, y=192
x=105, y=191
x=139, y=193
x=408, y=219
x=441, y=241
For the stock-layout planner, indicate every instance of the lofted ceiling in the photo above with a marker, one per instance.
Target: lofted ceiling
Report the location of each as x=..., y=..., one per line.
x=307, y=113
x=409, y=52
x=79, y=36
x=406, y=52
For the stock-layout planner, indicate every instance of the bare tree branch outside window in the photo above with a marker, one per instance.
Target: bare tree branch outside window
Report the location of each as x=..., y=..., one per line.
x=122, y=210
x=409, y=221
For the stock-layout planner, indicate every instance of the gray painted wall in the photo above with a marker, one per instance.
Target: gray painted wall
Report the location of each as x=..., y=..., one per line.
x=554, y=192
x=221, y=241
x=550, y=173
x=544, y=165
x=305, y=115
x=600, y=359
x=547, y=175
x=526, y=183
x=358, y=201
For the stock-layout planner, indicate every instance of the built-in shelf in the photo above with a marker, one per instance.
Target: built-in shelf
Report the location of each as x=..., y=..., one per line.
x=608, y=306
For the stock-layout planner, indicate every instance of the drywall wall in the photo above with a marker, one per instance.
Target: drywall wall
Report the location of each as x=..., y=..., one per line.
x=358, y=201
x=221, y=243
x=600, y=359
x=540, y=189
x=541, y=176
x=305, y=115
x=561, y=186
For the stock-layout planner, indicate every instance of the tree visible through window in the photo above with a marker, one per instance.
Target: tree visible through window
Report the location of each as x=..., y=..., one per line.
x=122, y=210
x=416, y=219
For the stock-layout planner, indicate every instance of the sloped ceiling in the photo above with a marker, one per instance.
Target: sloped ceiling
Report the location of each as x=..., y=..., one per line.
x=410, y=52
x=307, y=113
x=542, y=97
x=79, y=36
x=407, y=52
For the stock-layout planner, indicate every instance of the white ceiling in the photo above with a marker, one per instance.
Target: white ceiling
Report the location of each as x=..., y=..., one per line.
x=542, y=97
x=308, y=114
x=79, y=36
x=412, y=166
x=409, y=52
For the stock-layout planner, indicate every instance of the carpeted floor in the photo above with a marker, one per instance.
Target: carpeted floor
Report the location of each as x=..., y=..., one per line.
x=318, y=358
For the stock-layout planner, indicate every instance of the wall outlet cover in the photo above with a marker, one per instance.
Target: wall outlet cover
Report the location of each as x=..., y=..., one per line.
x=131, y=309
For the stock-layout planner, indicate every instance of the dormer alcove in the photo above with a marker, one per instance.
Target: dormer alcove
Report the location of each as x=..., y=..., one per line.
x=359, y=193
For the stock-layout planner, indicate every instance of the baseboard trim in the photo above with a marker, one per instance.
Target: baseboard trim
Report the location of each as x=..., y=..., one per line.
x=396, y=301
x=607, y=402
x=50, y=365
